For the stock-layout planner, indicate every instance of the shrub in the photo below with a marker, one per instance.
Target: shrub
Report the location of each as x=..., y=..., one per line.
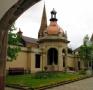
x=40, y=75
x=82, y=72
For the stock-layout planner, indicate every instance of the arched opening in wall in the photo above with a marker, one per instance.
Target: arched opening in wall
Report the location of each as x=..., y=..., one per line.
x=5, y=22
x=64, y=57
x=52, y=56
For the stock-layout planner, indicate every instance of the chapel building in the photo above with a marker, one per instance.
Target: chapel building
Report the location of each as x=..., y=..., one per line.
x=49, y=51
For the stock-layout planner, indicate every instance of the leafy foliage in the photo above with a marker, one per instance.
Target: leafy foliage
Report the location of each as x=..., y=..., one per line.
x=13, y=42
x=82, y=72
x=12, y=52
x=86, y=51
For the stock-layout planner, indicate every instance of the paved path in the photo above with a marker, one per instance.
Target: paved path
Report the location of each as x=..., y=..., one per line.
x=7, y=88
x=86, y=84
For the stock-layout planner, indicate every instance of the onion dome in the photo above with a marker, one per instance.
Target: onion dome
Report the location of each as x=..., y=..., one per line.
x=54, y=28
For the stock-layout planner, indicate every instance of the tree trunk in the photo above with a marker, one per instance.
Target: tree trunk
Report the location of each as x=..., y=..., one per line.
x=3, y=54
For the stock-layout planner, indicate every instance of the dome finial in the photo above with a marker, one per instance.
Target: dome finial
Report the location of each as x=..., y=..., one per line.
x=53, y=15
x=53, y=11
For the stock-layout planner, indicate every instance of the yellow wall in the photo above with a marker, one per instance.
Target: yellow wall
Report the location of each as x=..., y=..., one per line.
x=26, y=59
x=21, y=60
x=34, y=52
x=70, y=61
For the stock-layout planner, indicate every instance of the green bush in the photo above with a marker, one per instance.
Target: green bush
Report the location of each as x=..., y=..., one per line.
x=82, y=72
x=40, y=75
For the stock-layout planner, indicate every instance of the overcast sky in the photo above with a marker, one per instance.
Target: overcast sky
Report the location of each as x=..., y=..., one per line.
x=74, y=16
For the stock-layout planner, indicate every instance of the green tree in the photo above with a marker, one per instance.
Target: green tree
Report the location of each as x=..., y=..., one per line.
x=13, y=44
x=85, y=54
x=86, y=51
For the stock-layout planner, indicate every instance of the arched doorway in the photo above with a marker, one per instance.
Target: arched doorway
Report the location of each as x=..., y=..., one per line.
x=5, y=22
x=52, y=56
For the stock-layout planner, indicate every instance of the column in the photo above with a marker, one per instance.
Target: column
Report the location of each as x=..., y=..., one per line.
x=60, y=59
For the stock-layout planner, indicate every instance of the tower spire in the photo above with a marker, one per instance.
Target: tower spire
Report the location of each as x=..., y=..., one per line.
x=43, y=23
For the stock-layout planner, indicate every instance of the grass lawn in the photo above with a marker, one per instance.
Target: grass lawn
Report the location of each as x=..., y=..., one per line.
x=40, y=79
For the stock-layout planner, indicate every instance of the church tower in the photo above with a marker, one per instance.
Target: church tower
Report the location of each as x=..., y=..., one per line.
x=43, y=25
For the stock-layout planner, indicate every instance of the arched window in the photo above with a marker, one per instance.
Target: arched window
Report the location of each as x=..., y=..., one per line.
x=52, y=56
